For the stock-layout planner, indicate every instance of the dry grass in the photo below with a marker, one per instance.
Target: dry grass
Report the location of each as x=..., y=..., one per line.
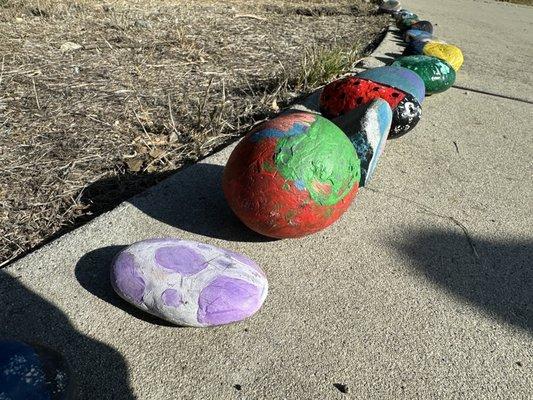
x=524, y=2
x=154, y=85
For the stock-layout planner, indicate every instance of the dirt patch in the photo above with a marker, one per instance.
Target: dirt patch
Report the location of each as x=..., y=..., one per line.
x=126, y=92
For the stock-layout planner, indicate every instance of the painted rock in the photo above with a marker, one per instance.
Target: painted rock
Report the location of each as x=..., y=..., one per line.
x=425, y=26
x=32, y=372
x=447, y=52
x=390, y=6
x=405, y=14
x=292, y=176
x=416, y=47
x=367, y=127
x=415, y=34
x=189, y=283
x=437, y=74
x=399, y=78
x=343, y=95
x=406, y=23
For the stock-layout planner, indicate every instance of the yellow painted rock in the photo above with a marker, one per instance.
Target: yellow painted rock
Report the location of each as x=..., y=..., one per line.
x=447, y=52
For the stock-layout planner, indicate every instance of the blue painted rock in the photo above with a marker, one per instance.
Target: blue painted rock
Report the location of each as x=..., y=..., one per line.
x=390, y=6
x=343, y=95
x=32, y=372
x=189, y=283
x=415, y=34
x=367, y=127
x=437, y=74
x=425, y=26
x=399, y=78
x=416, y=47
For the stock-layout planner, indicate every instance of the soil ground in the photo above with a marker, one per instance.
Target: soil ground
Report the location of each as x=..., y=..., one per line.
x=99, y=100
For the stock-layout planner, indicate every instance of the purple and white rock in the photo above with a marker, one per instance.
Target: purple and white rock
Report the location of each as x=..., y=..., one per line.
x=189, y=283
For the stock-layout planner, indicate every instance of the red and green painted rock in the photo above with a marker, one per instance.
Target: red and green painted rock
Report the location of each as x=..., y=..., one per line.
x=343, y=95
x=437, y=74
x=292, y=176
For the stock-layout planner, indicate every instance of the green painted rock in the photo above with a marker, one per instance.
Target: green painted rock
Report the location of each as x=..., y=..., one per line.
x=437, y=74
x=405, y=23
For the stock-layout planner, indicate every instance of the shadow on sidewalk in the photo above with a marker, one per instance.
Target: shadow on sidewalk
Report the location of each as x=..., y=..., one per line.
x=499, y=279
x=98, y=371
x=193, y=201
x=92, y=272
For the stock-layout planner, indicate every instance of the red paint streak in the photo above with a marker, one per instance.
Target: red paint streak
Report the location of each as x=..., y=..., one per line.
x=348, y=93
x=257, y=196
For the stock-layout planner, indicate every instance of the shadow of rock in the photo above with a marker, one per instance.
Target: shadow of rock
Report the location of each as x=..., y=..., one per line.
x=92, y=272
x=98, y=371
x=499, y=278
x=193, y=201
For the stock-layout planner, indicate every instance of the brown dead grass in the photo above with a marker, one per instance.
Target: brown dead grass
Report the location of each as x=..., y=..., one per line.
x=524, y=2
x=155, y=85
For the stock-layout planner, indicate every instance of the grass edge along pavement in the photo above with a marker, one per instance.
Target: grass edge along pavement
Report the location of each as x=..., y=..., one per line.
x=172, y=265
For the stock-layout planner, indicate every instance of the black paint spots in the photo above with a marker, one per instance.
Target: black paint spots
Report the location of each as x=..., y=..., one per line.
x=395, y=94
x=341, y=387
x=237, y=387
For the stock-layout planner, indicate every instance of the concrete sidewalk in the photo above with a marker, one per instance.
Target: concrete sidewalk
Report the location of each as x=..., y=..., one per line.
x=424, y=289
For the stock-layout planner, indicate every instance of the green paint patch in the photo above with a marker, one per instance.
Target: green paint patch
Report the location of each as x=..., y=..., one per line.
x=323, y=160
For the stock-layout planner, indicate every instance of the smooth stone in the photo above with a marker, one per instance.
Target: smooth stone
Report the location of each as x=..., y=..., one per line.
x=32, y=372
x=390, y=6
x=367, y=127
x=292, y=175
x=189, y=283
x=447, y=52
x=415, y=34
x=406, y=23
x=416, y=47
x=405, y=14
x=437, y=74
x=423, y=26
x=400, y=78
x=343, y=95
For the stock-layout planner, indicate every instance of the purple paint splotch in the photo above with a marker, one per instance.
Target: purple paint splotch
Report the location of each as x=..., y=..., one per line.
x=227, y=300
x=245, y=260
x=171, y=298
x=127, y=279
x=180, y=259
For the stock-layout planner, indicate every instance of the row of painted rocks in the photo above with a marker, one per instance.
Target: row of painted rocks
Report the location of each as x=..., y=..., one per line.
x=289, y=177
